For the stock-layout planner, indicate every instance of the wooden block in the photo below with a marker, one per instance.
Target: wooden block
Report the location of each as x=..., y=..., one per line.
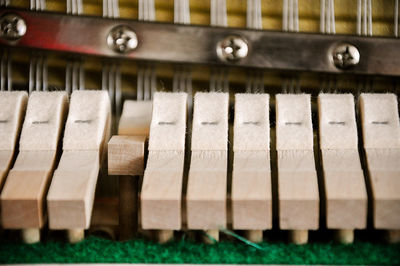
x=345, y=191
x=45, y=116
x=13, y=106
x=381, y=136
x=297, y=191
x=206, y=193
x=380, y=121
x=71, y=193
x=136, y=118
x=386, y=205
x=162, y=182
x=337, y=122
x=251, y=191
x=126, y=155
x=88, y=121
x=297, y=178
x=207, y=183
x=251, y=178
x=162, y=191
x=22, y=200
x=293, y=122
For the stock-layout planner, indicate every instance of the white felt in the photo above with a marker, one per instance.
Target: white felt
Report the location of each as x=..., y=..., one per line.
x=12, y=109
x=44, y=119
x=251, y=125
x=168, y=123
x=293, y=122
x=135, y=118
x=337, y=121
x=210, y=121
x=87, y=120
x=380, y=121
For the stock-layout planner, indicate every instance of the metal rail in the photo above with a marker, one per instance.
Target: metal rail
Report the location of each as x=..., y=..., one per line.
x=198, y=44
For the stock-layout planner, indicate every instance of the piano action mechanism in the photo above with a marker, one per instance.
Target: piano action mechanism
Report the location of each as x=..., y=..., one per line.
x=110, y=123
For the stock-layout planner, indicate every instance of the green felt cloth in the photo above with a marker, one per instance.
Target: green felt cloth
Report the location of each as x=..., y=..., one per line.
x=143, y=251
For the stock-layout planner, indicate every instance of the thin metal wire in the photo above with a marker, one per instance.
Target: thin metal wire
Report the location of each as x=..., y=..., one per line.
x=255, y=77
x=9, y=73
x=181, y=12
x=182, y=79
x=74, y=7
x=4, y=2
x=254, y=17
x=111, y=74
x=364, y=17
x=38, y=73
x=396, y=18
x=74, y=76
x=38, y=5
x=327, y=16
x=146, y=75
x=290, y=15
x=218, y=16
x=5, y=69
x=75, y=71
x=110, y=8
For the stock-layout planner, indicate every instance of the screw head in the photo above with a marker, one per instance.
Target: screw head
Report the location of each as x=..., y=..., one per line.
x=122, y=39
x=12, y=27
x=345, y=56
x=232, y=48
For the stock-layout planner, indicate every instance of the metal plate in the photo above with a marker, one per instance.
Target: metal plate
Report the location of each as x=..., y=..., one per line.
x=197, y=44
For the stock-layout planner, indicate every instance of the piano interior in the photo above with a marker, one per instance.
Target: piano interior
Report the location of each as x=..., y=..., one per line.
x=165, y=124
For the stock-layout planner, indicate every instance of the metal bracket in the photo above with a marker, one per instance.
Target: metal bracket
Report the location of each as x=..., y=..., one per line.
x=198, y=44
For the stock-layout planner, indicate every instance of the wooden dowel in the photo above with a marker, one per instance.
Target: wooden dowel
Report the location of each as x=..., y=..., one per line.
x=213, y=233
x=392, y=236
x=164, y=236
x=31, y=235
x=255, y=236
x=344, y=236
x=298, y=237
x=128, y=208
x=75, y=235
